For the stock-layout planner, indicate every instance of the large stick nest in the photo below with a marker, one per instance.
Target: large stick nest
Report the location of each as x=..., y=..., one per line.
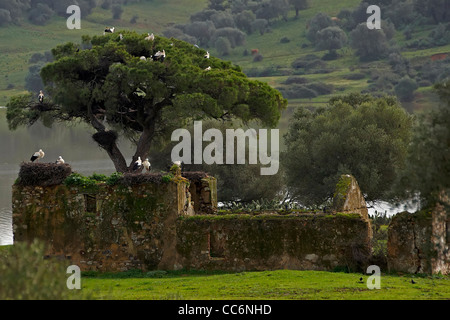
x=43, y=174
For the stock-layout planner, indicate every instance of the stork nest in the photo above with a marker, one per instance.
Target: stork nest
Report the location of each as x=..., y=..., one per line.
x=105, y=138
x=130, y=179
x=43, y=174
x=194, y=175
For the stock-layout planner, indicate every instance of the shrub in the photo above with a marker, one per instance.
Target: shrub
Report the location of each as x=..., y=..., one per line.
x=26, y=275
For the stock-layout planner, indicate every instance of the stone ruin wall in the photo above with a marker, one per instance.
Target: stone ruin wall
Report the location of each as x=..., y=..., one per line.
x=420, y=242
x=175, y=225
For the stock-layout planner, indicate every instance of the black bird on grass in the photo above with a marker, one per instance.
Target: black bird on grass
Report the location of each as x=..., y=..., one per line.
x=412, y=281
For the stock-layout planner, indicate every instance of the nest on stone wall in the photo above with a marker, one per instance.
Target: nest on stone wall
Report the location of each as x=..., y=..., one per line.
x=129, y=179
x=194, y=175
x=43, y=174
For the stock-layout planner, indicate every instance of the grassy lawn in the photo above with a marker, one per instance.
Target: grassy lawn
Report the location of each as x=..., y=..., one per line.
x=265, y=285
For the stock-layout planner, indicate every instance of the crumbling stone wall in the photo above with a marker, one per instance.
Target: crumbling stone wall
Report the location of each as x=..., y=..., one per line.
x=419, y=242
x=108, y=228
x=267, y=241
x=156, y=225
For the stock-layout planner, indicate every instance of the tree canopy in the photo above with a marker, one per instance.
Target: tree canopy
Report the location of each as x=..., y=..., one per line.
x=107, y=83
x=355, y=134
x=428, y=162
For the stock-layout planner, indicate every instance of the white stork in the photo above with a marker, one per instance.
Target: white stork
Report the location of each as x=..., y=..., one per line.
x=109, y=30
x=150, y=37
x=160, y=55
x=37, y=155
x=208, y=69
x=41, y=96
x=207, y=55
x=121, y=37
x=60, y=160
x=147, y=165
x=137, y=165
x=143, y=58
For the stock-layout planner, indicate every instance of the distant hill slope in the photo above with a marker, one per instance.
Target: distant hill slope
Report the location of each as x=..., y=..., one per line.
x=282, y=54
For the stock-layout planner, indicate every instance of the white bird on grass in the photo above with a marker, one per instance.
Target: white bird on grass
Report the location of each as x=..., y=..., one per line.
x=37, y=155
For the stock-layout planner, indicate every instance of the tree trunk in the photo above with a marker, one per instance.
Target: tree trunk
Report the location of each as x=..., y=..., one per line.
x=143, y=145
x=110, y=147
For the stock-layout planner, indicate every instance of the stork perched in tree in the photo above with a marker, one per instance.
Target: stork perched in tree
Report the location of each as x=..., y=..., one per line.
x=147, y=165
x=41, y=96
x=143, y=58
x=138, y=164
x=208, y=69
x=207, y=55
x=37, y=155
x=121, y=36
x=160, y=55
x=60, y=160
x=109, y=30
x=150, y=37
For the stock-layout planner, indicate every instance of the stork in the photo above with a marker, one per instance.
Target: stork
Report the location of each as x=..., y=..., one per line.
x=160, y=55
x=41, y=96
x=37, y=155
x=207, y=69
x=147, y=165
x=121, y=37
x=60, y=160
x=137, y=165
x=143, y=58
x=150, y=37
x=109, y=30
x=207, y=55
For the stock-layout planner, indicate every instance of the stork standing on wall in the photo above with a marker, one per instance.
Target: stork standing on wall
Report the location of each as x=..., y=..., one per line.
x=37, y=155
x=147, y=165
x=41, y=96
x=138, y=164
x=60, y=160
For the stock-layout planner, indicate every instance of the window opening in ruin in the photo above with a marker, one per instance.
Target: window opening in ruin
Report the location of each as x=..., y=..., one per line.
x=90, y=203
x=216, y=245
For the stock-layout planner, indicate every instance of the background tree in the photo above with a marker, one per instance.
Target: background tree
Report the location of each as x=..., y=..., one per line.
x=299, y=5
x=405, y=89
x=356, y=134
x=428, y=161
x=369, y=44
x=331, y=38
x=318, y=22
x=113, y=90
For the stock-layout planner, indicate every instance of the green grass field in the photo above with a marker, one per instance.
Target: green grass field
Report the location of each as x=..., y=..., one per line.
x=266, y=285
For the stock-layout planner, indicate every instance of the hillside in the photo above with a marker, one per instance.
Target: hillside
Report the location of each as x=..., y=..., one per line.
x=281, y=44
